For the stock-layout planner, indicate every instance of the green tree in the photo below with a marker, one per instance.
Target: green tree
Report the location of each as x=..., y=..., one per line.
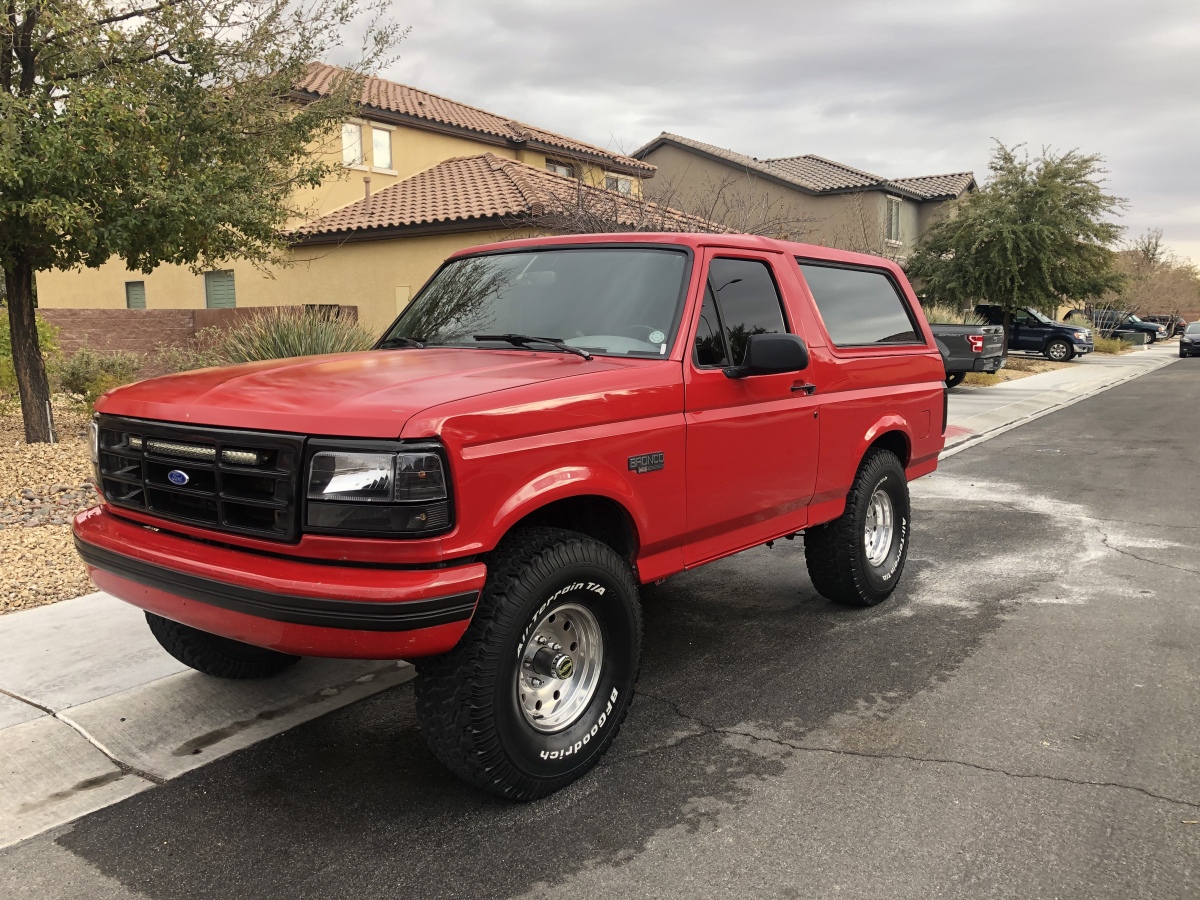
x=1037, y=233
x=158, y=132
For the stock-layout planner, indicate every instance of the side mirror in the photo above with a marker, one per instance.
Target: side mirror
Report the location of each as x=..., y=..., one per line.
x=771, y=354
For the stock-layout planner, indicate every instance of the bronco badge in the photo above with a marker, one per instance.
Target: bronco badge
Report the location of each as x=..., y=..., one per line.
x=647, y=462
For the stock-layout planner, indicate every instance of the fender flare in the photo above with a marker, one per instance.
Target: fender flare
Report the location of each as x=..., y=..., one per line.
x=883, y=425
x=563, y=483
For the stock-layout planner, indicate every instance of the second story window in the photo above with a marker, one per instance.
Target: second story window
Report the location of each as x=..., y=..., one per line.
x=381, y=148
x=559, y=168
x=892, y=228
x=352, y=144
x=618, y=183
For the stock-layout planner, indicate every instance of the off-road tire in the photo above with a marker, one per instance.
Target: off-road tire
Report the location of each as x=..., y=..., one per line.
x=1067, y=354
x=954, y=379
x=467, y=699
x=215, y=655
x=835, y=552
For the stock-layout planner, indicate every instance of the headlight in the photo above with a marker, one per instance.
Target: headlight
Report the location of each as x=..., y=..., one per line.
x=94, y=441
x=369, y=492
x=1081, y=335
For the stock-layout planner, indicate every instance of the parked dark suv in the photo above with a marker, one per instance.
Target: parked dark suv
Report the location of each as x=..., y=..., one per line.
x=1175, y=324
x=1189, y=341
x=1034, y=332
x=1118, y=323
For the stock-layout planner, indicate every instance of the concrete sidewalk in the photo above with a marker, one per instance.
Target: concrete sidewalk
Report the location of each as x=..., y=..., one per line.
x=93, y=711
x=979, y=413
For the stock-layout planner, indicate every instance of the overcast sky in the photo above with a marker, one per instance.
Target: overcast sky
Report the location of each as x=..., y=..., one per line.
x=900, y=88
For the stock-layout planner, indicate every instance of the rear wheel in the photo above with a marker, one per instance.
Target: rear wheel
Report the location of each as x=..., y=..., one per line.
x=954, y=379
x=214, y=655
x=858, y=558
x=1059, y=351
x=537, y=689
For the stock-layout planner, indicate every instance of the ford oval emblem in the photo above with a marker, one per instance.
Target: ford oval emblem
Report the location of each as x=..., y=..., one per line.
x=177, y=477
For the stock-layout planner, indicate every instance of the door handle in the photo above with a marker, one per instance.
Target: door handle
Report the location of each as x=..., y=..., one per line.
x=809, y=389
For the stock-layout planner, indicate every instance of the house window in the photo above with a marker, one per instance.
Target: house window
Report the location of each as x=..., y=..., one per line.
x=381, y=148
x=352, y=144
x=893, y=220
x=560, y=168
x=218, y=290
x=135, y=295
x=619, y=183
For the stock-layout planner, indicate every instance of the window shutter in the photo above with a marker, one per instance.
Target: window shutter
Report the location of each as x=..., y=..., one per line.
x=218, y=290
x=135, y=295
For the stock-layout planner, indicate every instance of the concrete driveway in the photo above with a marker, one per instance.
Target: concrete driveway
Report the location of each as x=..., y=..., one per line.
x=1021, y=719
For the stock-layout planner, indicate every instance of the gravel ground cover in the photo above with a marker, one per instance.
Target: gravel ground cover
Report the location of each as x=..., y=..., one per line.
x=42, y=486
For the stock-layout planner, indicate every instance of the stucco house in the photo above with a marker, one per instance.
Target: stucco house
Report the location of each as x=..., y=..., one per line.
x=423, y=176
x=823, y=202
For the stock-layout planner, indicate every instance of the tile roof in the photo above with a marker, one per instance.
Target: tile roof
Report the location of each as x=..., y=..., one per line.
x=932, y=187
x=390, y=96
x=487, y=187
x=819, y=175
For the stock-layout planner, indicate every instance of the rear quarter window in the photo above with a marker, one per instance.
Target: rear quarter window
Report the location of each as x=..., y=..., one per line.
x=860, y=307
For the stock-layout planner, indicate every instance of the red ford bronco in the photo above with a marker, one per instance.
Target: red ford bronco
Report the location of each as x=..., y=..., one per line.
x=549, y=424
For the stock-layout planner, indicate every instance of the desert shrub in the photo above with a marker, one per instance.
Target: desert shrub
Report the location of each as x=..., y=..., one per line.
x=1110, y=344
x=47, y=340
x=943, y=314
x=88, y=373
x=199, y=353
x=279, y=333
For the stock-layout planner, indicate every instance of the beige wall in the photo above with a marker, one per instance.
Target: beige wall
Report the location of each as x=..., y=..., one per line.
x=370, y=275
x=379, y=277
x=692, y=182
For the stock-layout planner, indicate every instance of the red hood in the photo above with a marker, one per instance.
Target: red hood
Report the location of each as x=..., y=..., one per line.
x=370, y=394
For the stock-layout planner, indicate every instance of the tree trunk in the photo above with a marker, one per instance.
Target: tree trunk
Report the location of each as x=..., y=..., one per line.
x=1007, y=328
x=32, y=382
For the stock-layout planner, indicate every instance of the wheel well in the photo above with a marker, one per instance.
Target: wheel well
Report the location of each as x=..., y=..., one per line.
x=597, y=517
x=896, y=442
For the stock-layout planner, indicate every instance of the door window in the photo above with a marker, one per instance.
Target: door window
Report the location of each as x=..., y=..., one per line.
x=860, y=307
x=740, y=299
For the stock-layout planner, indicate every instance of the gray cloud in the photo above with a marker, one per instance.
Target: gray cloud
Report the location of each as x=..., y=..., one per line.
x=896, y=88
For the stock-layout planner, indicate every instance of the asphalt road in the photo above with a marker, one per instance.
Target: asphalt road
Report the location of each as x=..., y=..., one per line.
x=1021, y=719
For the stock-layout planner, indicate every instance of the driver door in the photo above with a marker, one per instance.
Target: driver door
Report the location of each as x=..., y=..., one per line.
x=751, y=441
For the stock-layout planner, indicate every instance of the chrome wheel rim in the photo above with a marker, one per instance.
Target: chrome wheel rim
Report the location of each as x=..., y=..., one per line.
x=560, y=668
x=1058, y=351
x=877, y=534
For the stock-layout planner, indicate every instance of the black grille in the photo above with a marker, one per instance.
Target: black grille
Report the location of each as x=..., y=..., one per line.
x=245, y=482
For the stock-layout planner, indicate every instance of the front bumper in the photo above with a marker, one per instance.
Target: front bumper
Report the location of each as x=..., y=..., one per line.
x=294, y=606
x=1082, y=347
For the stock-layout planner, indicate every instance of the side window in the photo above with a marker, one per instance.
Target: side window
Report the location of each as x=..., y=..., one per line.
x=1021, y=317
x=710, y=345
x=860, y=307
x=741, y=299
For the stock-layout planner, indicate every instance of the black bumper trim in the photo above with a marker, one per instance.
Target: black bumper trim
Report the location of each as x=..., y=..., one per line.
x=349, y=614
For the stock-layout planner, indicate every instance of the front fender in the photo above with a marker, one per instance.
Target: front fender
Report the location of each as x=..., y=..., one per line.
x=595, y=480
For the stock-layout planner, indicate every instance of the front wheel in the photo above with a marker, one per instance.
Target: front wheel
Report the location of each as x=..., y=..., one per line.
x=954, y=379
x=537, y=689
x=1059, y=351
x=858, y=558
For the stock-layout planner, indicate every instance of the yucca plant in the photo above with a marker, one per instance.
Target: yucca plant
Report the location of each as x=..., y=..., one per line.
x=281, y=332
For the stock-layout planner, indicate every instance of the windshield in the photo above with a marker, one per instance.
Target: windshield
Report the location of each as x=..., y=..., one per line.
x=1133, y=319
x=1037, y=315
x=605, y=300
x=1194, y=328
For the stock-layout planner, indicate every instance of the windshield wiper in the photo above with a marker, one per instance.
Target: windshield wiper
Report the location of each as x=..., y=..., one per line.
x=401, y=341
x=522, y=340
